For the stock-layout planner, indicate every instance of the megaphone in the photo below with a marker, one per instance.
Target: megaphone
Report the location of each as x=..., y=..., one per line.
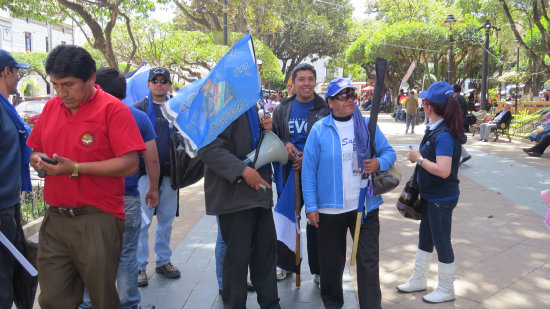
x=270, y=149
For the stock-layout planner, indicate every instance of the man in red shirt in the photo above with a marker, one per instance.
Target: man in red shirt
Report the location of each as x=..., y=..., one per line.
x=95, y=143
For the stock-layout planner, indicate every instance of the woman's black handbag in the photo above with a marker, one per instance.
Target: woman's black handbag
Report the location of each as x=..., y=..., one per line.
x=385, y=181
x=408, y=203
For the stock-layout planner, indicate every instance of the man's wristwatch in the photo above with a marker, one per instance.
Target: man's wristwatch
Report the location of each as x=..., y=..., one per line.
x=75, y=170
x=419, y=162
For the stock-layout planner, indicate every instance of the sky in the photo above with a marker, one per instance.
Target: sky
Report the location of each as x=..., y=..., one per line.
x=359, y=9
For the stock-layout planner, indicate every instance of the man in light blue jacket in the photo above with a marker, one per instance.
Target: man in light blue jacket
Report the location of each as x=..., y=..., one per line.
x=331, y=178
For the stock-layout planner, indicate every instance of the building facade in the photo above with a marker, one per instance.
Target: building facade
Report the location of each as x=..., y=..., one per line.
x=29, y=35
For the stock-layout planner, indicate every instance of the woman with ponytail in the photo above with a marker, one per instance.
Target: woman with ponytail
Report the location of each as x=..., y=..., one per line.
x=438, y=159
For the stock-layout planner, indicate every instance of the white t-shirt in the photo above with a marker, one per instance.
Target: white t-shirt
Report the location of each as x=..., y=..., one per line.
x=351, y=173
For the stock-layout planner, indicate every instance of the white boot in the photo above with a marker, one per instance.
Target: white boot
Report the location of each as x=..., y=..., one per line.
x=445, y=287
x=417, y=282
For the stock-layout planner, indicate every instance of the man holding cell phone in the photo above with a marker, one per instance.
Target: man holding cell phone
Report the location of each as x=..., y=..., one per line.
x=95, y=142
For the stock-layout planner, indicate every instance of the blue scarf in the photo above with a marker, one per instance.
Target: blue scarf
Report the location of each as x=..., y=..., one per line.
x=254, y=122
x=153, y=116
x=362, y=144
x=362, y=138
x=24, y=130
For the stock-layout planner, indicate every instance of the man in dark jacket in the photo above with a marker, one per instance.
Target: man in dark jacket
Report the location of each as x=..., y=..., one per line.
x=233, y=192
x=292, y=120
x=504, y=116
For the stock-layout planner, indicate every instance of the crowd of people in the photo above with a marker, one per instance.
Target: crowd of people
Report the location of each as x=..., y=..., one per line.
x=107, y=172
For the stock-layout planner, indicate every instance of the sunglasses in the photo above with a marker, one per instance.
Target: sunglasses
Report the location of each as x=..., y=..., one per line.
x=345, y=96
x=162, y=81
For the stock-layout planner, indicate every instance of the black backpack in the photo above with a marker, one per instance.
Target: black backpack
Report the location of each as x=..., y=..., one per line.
x=184, y=170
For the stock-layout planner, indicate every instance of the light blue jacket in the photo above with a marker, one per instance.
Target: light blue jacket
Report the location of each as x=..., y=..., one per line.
x=322, y=184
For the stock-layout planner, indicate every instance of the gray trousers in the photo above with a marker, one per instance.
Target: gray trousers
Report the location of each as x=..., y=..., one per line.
x=411, y=121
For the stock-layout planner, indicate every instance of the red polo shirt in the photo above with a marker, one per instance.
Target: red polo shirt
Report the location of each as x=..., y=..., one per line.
x=102, y=128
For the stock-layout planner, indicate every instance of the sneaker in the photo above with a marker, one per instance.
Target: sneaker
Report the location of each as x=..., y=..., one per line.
x=281, y=274
x=527, y=150
x=142, y=279
x=168, y=270
x=468, y=157
x=317, y=279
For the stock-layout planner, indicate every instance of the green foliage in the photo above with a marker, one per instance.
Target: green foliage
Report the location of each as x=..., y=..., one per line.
x=99, y=16
x=35, y=60
x=513, y=77
x=189, y=54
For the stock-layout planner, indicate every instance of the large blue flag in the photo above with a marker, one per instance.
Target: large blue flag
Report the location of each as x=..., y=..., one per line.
x=205, y=108
x=136, y=84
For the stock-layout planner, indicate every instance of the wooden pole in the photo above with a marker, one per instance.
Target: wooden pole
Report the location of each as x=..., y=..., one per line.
x=356, y=238
x=297, y=212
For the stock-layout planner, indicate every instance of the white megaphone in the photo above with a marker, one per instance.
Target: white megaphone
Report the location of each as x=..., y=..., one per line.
x=270, y=149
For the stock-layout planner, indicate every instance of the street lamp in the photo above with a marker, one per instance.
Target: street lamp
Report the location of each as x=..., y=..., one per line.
x=450, y=20
x=517, y=79
x=487, y=26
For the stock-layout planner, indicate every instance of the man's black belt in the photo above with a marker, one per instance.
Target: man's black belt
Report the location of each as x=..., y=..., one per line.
x=73, y=211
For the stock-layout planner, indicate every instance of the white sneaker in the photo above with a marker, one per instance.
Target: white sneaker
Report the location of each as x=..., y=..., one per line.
x=281, y=273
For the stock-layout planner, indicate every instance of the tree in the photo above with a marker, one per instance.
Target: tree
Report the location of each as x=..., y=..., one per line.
x=36, y=61
x=100, y=17
x=293, y=29
x=188, y=54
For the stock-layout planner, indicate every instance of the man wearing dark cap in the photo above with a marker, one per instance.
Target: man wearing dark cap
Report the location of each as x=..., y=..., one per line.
x=14, y=168
x=159, y=83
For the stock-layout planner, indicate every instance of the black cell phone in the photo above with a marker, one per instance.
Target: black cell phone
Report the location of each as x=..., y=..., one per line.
x=48, y=160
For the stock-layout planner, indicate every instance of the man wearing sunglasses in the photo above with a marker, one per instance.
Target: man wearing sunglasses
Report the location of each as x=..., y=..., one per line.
x=159, y=84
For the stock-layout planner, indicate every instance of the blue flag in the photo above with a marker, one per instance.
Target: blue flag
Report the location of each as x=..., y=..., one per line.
x=205, y=108
x=284, y=217
x=136, y=84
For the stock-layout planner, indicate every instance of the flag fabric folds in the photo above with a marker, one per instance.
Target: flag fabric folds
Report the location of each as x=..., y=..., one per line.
x=285, y=224
x=205, y=108
x=136, y=84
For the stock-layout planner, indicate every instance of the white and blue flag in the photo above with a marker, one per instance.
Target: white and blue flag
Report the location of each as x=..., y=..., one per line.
x=205, y=108
x=284, y=217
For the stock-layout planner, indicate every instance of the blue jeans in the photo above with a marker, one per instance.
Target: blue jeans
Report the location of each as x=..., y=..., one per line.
x=127, y=268
x=219, y=252
x=166, y=212
x=9, y=227
x=435, y=229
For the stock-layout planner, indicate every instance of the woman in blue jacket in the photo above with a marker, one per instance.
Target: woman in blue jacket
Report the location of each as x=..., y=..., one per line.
x=438, y=160
x=334, y=160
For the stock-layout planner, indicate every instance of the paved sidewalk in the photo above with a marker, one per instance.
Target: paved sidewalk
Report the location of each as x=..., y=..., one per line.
x=501, y=245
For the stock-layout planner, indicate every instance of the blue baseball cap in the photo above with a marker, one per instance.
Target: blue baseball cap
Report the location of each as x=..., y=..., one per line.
x=7, y=60
x=439, y=92
x=336, y=85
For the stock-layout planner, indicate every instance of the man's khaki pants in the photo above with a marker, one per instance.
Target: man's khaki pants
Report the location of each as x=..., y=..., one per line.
x=74, y=252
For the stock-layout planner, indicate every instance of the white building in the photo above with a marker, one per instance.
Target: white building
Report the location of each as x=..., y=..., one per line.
x=20, y=35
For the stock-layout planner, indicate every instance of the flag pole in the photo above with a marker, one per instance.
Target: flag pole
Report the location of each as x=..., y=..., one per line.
x=380, y=68
x=297, y=212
